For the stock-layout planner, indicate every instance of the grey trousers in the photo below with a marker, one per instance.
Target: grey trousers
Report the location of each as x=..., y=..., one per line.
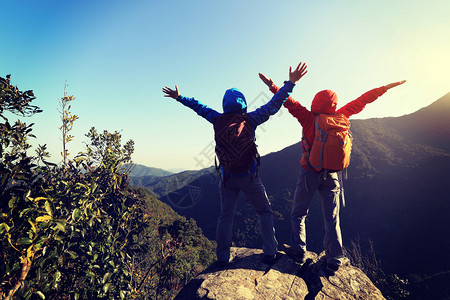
x=257, y=197
x=329, y=190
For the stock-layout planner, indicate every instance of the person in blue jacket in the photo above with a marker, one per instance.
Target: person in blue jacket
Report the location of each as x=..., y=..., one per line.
x=247, y=182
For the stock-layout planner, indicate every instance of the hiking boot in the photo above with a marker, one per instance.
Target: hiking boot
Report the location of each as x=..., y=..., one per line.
x=297, y=255
x=332, y=267
x=268, y=259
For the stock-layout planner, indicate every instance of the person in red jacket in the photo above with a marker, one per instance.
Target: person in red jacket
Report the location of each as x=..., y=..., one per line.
x=326, y=182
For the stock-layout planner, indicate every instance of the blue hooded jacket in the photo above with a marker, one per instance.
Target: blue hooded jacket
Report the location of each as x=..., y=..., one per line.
x=234, y=102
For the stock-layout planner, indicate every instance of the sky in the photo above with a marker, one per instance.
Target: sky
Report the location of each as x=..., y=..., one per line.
x=117, y=55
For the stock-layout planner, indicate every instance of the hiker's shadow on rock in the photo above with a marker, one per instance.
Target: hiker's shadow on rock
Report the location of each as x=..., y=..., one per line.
x=311, y=273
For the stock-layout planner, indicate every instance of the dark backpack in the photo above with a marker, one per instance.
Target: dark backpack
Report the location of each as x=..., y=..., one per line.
x=235, y=143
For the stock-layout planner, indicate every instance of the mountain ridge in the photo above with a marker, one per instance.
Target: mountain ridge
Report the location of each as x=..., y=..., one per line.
x=138, y=170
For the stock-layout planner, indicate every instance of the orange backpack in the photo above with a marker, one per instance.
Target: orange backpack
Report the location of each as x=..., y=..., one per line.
x=332, y=143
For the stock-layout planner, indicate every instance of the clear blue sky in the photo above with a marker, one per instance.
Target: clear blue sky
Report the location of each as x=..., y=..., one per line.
x=117, y=55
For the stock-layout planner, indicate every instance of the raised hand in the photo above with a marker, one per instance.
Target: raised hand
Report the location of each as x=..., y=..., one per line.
x=268, y=82
x=298, y=73
x=171, y=93
x=391, y=85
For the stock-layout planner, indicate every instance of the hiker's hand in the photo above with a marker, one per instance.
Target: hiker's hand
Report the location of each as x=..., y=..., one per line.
x=268, y=82
x=298, y=73
x=391, y=85
x=171, y=93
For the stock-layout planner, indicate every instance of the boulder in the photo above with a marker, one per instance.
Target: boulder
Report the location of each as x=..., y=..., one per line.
x=247, y=277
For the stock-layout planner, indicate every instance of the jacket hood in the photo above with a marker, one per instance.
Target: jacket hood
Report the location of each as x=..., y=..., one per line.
x=324, y=102
x=234, y=102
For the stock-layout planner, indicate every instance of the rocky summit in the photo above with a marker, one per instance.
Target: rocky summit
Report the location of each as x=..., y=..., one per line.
x=247, y=277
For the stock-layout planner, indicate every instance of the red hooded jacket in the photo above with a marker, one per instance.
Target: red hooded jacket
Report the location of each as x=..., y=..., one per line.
x=325, y=102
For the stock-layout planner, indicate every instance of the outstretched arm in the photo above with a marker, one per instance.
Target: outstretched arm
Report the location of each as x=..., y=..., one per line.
x=263, y=113
x=295, y=76
x=201, y=109
x=294, y=107
x=359, y=104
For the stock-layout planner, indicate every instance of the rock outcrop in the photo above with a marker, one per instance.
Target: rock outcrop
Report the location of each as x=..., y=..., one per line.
x=247, y=277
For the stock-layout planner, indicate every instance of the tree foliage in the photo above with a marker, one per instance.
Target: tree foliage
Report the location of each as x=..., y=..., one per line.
x=77, y=231
x=17, y=228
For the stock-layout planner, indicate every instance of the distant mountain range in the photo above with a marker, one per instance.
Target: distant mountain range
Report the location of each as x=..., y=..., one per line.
x=141, y=170
x=397, y=193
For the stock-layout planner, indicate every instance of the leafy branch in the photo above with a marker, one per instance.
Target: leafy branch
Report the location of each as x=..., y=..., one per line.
x=67, y=119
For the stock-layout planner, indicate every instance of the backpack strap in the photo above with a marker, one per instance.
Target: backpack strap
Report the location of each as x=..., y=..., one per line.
x=306, y=149
x=258, y=159
x=258, y=163
x=217, y=164
x=341, y=185
x=221, y=172
x=322, y=140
